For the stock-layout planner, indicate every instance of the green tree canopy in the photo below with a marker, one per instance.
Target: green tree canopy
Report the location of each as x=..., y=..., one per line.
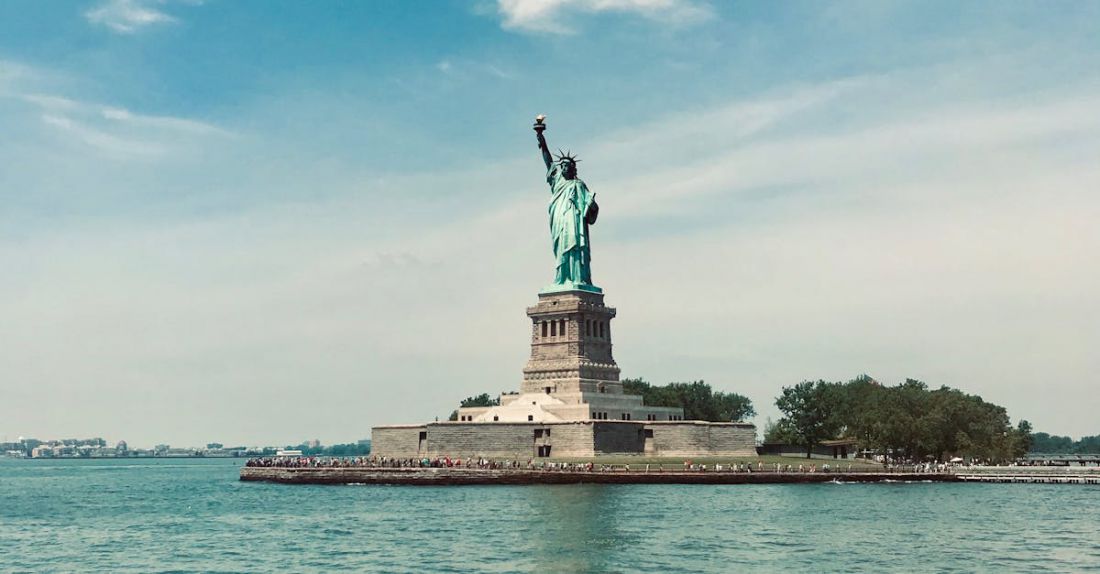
x=907, y=420
x=349, y=449
x=698, y=399
x=1044, y=443
x=778, y=432
x=482, y=400
x=1088, y=445
x=810, y=413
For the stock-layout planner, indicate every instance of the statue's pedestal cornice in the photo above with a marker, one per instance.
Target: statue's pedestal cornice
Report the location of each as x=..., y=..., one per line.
x=567, y=287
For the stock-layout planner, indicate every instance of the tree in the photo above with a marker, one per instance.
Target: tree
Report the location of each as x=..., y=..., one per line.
x=1088, y=445
x=810, y=412
x=1042, y=442
x=349, y=449
x=482, y=400
x=1022, y=438
x=860, y=406
x=697, y=398
x=778, y=432
x=909, y=421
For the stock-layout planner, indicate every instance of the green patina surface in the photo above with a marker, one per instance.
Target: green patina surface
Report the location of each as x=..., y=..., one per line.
x=571, y=211
x=570, y=202
x=555, y=288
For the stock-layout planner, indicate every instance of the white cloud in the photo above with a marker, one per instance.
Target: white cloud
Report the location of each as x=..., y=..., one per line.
x=161, y=122
x=896, y=152
x=471, y=68
x=110, y=145
x=549, y=16
x=111, y=130
x=128, y=16
x=118, y=132
x=17, y=79
x=10, y=73
x=52, y=102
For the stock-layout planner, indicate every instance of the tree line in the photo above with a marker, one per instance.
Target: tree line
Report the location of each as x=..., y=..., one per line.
x=905, y=421
x=699, y=401
x=482, y=400
x=349, y=449
x=1044, y=443
x=697, y=398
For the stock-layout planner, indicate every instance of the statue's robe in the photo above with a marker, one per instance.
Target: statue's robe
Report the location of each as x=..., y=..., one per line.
x=571, y=210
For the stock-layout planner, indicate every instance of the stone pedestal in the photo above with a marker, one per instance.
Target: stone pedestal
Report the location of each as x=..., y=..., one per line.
x=571, y=346
x=571, y=374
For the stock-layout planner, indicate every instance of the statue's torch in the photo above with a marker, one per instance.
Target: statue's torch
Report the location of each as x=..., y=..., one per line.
x=540, y=126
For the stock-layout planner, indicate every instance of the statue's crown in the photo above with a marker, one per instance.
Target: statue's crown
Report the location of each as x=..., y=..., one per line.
x=567, y=156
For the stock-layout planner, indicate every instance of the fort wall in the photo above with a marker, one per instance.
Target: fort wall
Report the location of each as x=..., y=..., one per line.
x=399, y=441
x=568, y=439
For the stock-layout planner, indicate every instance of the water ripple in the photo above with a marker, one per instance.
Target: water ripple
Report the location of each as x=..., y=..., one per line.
x=188, y=516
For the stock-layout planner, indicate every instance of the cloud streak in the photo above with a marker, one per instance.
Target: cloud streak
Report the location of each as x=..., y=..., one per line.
x=552, y=16
x=128, y=16
x=464, y=68
x=118, y=132
x=111, y=145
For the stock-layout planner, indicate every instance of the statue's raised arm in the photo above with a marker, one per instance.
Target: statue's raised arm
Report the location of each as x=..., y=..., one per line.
x=539, y=128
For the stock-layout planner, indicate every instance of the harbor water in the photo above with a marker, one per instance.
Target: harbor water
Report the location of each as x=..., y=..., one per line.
x=193, y=515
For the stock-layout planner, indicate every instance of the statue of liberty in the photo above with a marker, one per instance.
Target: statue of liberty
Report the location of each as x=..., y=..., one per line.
x=572, y=209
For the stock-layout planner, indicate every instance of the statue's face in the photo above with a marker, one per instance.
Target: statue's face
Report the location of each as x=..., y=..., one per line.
x=568, y=169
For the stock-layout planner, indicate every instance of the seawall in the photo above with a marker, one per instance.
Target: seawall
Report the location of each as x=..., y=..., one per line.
x=468, y=476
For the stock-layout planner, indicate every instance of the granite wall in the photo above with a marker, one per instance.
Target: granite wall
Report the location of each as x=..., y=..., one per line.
x=491, y=440
x=574, y=439
x=699, y=438
x=401, y=441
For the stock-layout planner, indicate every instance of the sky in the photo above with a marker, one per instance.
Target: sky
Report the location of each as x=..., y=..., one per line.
x=261, y=222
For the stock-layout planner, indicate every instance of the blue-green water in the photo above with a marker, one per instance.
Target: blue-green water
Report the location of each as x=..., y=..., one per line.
x=194, y=516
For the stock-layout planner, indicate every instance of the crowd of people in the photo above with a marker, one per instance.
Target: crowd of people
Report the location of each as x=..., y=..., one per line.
x=923, y=467
x=533, y=464
x=379, y=462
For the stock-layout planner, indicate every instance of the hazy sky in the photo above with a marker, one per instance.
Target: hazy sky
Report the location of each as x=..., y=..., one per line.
x=260, y=222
